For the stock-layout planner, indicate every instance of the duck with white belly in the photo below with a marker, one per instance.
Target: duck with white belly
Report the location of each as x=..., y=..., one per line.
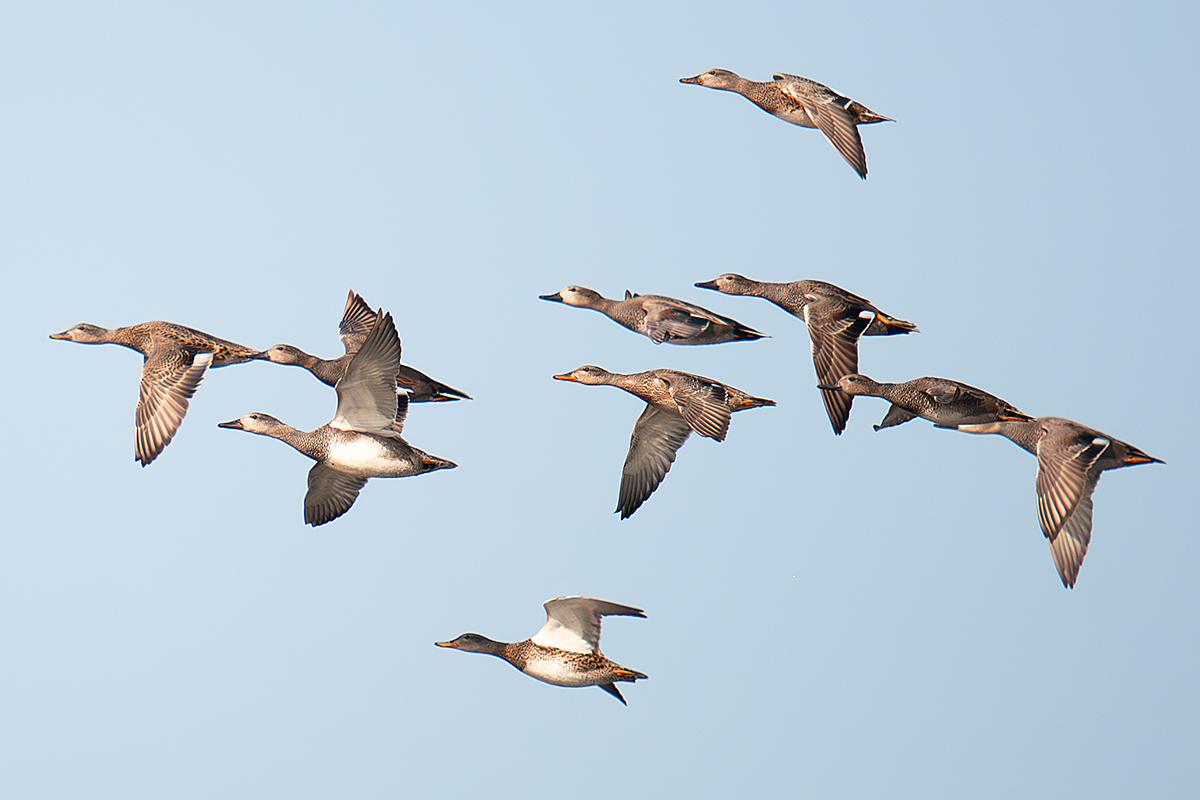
x=363, y=439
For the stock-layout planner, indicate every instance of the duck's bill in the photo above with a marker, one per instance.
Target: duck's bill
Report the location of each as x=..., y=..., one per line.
x=706, y=285
x=236, y=424
x=553, y=298
x=827, y=387
x=693, y=79
x=63, y=335
x=566, y=377
x=446, y=644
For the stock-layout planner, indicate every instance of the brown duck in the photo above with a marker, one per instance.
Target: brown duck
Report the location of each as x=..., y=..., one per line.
x=176, y=359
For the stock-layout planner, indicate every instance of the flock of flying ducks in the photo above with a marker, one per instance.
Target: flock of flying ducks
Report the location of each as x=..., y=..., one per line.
x=374, y=390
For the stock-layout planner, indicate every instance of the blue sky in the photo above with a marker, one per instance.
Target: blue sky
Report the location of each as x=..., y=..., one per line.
x=865, y=615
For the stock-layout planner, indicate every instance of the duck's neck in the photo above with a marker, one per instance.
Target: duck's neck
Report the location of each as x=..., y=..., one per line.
x=310, y=443
x=775, y=292
x=135, y=337
x=1023, y=434
x=328, y=372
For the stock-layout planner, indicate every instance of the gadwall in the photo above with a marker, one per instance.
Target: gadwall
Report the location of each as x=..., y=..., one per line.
x=1070, y=459
x=176, y=358
x=677, y=403
x=944, y=402
x=357, y=321
x=835, y=319
x=803, y=102
x=362, y=440
x=566, y=651
x=663, y=319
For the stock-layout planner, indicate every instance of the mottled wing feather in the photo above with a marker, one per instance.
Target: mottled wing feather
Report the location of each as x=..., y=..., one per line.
x=168, y=382
x=664, y=323
x=705, y=407
x=356, y=324
x=657, y=436
x=367, y=399
x=331, y=492
x=573, y=623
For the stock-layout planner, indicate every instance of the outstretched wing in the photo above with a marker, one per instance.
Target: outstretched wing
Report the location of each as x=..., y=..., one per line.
x=657, y=436
x=169, y=379
x=357, y=321
x=367, y=398
x=704, y=405
x=331, y=492
x=573, y=623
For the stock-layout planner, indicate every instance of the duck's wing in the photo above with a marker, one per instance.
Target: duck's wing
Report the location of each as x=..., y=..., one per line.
x=830, y=112
x=666, y=321
x=1071, y=544
x=356, y=324
x=169, y=379
x=331, y=492
x=945, y=392
x=704, y=405
x=612, y=689
x=367, y=399
x=573, y=623
x=1065, y=461
x=835, y=329
x=657, y=436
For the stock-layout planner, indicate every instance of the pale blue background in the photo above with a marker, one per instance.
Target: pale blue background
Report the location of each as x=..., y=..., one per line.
x=875, y=615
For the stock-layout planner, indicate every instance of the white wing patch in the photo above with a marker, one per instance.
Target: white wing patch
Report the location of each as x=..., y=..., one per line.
x=555, y=634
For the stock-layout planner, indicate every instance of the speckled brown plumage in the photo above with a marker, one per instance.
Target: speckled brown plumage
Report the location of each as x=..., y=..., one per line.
x=803, y=102
x=566, y=651
x=677, y=403
x=176, y=360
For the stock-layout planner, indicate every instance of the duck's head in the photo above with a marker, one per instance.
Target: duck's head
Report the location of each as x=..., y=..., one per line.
x=852, y=384
x=574, y=296
x=284, y=354
x=589, y=374
x=473, y=643
x=715, y=79
x=84, y=333
x=254, y=423
x=729, y=283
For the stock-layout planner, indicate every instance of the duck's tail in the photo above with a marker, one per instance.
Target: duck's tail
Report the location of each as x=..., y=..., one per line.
x=741, y=401
x=883, y=325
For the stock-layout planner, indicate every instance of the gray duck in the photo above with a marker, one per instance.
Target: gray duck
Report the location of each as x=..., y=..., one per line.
x=362, y=440
x=836, y=319
x=357, y=320
x=944, y=402
x=663, y=319
x=1071, y=458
